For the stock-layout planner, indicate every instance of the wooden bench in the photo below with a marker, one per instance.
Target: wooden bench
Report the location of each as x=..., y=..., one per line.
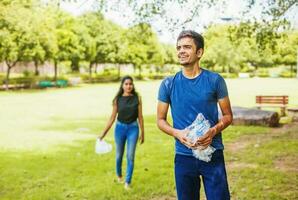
x=273, y=101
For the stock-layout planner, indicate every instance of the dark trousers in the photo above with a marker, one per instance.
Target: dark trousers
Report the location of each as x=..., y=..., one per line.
x=189, y=170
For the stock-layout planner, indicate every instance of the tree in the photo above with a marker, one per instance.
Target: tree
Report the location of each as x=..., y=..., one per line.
x=287, y=50
x=68, y=46
x=41, y=42
x=170, y=54
x=220, y=51
x=101, y=40
x=15, y=35
x=272, y=15
x=143, y=47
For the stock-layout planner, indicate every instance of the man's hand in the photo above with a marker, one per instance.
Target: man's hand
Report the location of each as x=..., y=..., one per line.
x=181, y=136
x=204, y=141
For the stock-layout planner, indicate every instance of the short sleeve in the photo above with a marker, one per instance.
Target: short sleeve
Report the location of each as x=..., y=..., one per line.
x=164, y=91
x=221, y=87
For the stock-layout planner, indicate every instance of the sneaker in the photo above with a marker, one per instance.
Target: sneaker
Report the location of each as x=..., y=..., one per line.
x=120, y=180
x=127, y=186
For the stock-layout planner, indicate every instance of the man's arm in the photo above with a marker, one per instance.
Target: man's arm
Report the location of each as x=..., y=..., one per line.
x=162, y=123
x=227, y=114
x=224, y=122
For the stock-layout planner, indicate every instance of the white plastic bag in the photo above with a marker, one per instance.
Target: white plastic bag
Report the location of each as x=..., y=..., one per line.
x=197, y=129
x=102, y=146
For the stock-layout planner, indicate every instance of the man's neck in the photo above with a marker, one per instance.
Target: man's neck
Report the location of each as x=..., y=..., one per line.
x=191, y=71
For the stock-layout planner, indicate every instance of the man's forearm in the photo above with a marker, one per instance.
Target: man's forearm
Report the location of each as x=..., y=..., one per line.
x=223, y=123
x=166, y=127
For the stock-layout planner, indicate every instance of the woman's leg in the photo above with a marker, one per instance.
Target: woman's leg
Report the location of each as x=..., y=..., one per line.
x=132, y=139
x=120, y=138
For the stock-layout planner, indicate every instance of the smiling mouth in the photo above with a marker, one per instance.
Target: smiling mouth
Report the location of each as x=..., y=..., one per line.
x=183, y=57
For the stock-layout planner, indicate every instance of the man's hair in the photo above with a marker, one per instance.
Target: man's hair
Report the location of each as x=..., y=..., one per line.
x=198, y=38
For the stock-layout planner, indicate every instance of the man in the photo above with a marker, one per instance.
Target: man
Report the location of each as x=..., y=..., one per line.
x=189, y=92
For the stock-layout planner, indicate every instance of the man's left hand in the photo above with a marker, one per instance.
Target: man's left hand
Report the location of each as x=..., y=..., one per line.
x=204, y=141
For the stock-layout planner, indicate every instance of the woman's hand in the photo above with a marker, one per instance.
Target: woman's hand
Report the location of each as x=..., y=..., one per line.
x=100, y=137
x=142, y=138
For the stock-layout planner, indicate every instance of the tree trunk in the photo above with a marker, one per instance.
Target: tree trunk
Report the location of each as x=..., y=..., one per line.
x=119, y=71
x=75, y=65
x=134, y=68
x=55, y=70
x=140, y=72
x=90, y=71
x=9, y=67
x=7, y=77
x=36, y=68
x=256, y=69
x=251, y=116
x=95, y=70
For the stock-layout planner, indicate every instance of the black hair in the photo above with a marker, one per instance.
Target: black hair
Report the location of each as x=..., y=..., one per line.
x=198, y=38
x=120, y=91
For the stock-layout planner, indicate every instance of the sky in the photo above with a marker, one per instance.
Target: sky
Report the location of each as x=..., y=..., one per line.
x=120, y=14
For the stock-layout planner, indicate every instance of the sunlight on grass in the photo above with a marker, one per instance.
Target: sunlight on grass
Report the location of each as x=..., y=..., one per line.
x=47, y=140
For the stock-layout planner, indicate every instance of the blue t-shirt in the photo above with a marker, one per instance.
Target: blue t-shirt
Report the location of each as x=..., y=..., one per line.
x=189, y=97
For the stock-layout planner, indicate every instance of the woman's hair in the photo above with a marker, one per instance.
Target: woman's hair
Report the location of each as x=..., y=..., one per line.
x=120, y=91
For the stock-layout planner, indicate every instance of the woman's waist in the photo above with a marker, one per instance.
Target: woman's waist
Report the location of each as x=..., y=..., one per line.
x=133, y=123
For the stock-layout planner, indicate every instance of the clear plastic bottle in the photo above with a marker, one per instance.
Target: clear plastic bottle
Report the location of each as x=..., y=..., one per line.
x=197, y=129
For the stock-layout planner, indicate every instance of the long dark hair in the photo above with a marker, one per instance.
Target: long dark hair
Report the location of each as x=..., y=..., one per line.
x=120, y=91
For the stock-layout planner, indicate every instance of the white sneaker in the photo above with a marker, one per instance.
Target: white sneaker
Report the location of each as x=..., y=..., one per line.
x=127, y=186
x=120, y=180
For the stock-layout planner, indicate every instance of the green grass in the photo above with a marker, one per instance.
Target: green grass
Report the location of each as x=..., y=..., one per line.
x=76, y=172
x=261, y=177
x=47, y=140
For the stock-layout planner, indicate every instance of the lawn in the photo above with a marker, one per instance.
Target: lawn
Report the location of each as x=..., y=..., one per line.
x=47, y=146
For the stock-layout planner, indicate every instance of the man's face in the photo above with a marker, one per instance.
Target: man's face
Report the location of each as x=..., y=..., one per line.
x=186, y=51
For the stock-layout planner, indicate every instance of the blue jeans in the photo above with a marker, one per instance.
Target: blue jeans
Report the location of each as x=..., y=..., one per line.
x=130, y=133
x=188, y=171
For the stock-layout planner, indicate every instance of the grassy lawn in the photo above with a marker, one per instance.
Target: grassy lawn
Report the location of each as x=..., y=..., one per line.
x=47, y=142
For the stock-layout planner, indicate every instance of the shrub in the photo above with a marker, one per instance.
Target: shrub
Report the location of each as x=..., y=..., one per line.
x=262, y=72
x=287, y=74
x=229, y=75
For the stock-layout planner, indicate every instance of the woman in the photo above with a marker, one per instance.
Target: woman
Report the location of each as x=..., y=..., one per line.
x=127, y=107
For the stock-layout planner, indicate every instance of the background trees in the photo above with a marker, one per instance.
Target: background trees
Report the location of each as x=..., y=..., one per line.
x=32, y=31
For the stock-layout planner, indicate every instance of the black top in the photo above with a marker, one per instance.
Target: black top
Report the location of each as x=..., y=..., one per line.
x=127, y=109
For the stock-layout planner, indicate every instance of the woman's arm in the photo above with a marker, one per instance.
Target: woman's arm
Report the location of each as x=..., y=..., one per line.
x=141, y=121
x=110, y=122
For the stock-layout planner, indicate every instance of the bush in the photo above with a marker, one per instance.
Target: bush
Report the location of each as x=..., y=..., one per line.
x=34, y=82
x=262, y=73
x=229, y=75
x=287, y=74
x=27, y=82
x=99, y=78
x=157, y=76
